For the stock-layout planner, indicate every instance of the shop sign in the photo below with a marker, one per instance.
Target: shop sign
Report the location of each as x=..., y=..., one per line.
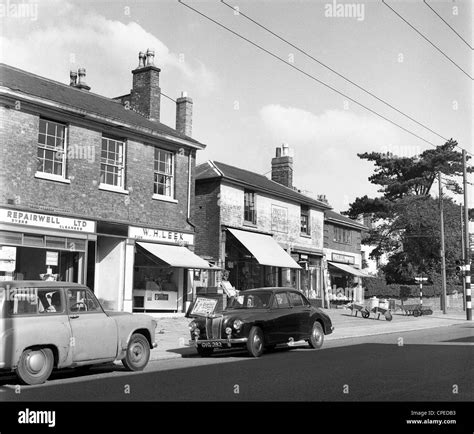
x=346, y=259
x=46, y=221
x=163, y=236
x=279, y=219
x=204, y=306
x=52, y=258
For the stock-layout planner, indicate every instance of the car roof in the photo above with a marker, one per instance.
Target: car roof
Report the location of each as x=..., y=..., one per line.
x=38, y=284
x=271, y=289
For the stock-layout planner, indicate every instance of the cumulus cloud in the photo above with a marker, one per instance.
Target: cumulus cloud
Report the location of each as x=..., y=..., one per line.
x=67, y=36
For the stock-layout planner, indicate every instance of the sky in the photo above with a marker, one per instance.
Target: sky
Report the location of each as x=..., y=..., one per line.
x=246, y=102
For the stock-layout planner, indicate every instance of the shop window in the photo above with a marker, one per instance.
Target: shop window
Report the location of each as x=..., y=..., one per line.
x=51, y=153
x=112, y=163
x=305, y=227
x=250, y=214
x=164, y=173
x=342, y=235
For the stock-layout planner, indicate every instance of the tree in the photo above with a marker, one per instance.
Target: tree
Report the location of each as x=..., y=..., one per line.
x=406, y=217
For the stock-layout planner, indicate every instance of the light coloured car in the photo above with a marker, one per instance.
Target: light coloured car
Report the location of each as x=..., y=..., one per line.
x=46, y=325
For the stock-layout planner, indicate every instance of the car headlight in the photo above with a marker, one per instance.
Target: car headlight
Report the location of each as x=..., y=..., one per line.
x=238, y=323
x=193, y=326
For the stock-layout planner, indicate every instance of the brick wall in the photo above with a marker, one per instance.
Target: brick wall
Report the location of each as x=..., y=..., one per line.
x=353, y=247
x=82, y=197
x=207, y=219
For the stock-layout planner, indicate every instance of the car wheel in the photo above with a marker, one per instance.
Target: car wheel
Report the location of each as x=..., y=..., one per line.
x=204, y=351
x=138, y=353
x=35, y=365
x=255, y=342
x=316, y=339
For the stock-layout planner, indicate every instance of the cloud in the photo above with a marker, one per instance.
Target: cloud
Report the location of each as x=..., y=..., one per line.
x=67, y=36
x=325, y=149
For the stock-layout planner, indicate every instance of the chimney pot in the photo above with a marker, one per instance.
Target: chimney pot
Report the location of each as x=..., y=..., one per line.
x=150, y=57
x=184, y=94
x=81, y=81
x=284, y=148
x=73, y=77
x=141, y=59
x=278, y=152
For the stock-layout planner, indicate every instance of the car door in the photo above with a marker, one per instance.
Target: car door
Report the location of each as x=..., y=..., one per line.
x=282, y=321
x=300, y=315
x=94, y=334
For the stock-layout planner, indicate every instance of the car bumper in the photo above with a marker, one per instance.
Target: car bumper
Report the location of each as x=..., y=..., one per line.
x=228, y=342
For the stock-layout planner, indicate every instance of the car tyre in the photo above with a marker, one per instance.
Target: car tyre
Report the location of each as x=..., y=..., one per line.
x=138, y=353
x=35, y=365
x=255, y=342
x=205, y=351
x=316, y=339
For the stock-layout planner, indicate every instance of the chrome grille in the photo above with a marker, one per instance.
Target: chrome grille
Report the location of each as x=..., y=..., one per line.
x=214, y=327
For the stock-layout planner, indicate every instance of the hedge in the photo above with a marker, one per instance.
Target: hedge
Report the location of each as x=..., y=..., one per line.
x=379, y=288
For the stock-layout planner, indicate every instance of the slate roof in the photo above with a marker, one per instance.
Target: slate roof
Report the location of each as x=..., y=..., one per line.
x=31, y=84
x=254, y=180
x=333, y=216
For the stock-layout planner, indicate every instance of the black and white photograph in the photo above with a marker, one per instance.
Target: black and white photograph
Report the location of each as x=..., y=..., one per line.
x=248, y=213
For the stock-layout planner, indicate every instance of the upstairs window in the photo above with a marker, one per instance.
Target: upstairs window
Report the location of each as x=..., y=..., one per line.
x=305, y=220
x=342, y=235
x=250, y=214
x=51, y=148
x=112, y=162
x=164, y=173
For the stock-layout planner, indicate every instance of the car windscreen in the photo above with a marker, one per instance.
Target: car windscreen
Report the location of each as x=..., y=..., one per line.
x=254, y=300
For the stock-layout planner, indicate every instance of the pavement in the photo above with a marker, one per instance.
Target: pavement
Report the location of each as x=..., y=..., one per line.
x=172, y=333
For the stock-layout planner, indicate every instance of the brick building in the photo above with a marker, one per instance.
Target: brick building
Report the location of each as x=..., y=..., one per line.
x=96, y=190
x=342, y=250
x=263, y=232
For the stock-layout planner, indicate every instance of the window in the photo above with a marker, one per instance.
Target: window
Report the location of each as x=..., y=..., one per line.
x=30, y=301
x=342, y=235
x=296, y=299
x=305, y=220
x=250, y=214
x=52, y=148
x=164, y=173
x=82, y=300
x=112, y=162
x=281, y=300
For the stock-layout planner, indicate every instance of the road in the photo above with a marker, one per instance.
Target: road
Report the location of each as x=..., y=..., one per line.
x=426, y=365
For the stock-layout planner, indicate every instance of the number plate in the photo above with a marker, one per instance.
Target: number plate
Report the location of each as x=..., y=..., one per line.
x=211, y=344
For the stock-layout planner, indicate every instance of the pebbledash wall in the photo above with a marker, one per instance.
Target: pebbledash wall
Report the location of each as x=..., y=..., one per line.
x=39, y=211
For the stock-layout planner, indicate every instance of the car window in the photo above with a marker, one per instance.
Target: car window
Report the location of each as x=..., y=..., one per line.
x=82, y=300
x=21, y=301
x=259, y=300
x=281, y=300
x=296, y=299
x=50, y=300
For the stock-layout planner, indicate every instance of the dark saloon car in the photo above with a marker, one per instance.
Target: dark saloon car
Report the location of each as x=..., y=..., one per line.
x=260, y=319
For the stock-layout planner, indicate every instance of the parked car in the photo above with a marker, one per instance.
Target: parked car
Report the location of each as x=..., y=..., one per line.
x=46, y=325
x=260, y=319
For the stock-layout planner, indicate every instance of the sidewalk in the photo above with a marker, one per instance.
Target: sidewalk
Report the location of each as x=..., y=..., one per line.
x=172, y=333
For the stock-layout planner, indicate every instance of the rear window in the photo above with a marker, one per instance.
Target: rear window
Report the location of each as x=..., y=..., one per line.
x=32, y=301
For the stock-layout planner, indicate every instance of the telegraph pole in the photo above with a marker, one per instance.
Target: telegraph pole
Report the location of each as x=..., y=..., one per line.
x=463, y=258
x=443, y=261
x=467, y=263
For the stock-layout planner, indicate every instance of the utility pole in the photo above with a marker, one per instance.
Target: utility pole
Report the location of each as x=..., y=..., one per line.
x=463, y=258
x=443, y=261
x=467, y=263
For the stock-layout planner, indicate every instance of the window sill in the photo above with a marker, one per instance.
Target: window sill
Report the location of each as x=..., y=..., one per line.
x=164, y=198
x=250, y=224
x=51, y=177
x=112, y=188
x=303, y=235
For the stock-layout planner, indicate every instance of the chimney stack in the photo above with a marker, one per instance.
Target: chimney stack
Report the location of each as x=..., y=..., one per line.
x=78, y=79
x=146, y=92
x=184, y=115
x=282, y=166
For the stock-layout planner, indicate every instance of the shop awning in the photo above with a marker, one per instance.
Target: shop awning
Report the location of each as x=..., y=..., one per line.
x=350, y=269
x=265, y=249
x=177, y=256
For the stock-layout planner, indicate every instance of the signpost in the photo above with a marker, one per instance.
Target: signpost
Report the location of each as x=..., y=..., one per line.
x=421, y=279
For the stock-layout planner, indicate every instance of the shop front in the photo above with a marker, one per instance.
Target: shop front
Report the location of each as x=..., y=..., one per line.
x=40, y=246
x=257, y=260
x=164, y=269
x=345, y=279
x=310, y=277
